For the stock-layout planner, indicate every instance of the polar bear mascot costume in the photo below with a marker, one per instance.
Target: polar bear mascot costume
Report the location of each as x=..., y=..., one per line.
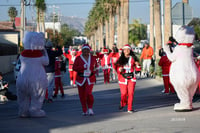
x=184, y=74
x=32, y=79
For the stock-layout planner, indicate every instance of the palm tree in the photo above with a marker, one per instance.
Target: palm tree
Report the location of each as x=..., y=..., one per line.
x=126, y=22
x=12, y=13
x=41, y=8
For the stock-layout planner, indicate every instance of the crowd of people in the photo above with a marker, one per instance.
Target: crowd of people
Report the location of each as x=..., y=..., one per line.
x=40, y=77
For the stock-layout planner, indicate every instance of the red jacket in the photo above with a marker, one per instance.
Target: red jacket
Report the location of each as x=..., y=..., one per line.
x=115, y=57
x=105, y=62
x=80, y=66
x=165, y=65
x=71, y=60
x=57, y=68
x=129, y=68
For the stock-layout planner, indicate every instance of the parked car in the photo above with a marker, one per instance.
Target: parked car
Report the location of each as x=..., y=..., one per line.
x=17, y=66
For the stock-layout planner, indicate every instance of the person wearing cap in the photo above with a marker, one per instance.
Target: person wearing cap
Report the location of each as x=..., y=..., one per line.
x=72, y=74
x=32, y=80
x=125, y=67
x=58, y=75
x=184, y=74
x=50, y=68
x=146, y=55
x=85, y=65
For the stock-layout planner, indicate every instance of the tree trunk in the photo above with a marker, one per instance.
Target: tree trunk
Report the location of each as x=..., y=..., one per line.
x=38, y=20
x=112, y=30
x=121, y=23
x=168, y=22
x=151, y=24
x=107, y=33
x=118, y=27
x=126, y=21
x=157, y=27
x=101, y=35
x=43, y=22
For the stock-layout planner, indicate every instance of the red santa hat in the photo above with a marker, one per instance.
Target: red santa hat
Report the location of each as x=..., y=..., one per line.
x=86, y=46
x=120, y=50
x=73, y=50
x=127, y=46
x=185, y=36
x=105, y=51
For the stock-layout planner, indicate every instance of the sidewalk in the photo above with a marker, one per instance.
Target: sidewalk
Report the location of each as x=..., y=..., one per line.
x=154, y=113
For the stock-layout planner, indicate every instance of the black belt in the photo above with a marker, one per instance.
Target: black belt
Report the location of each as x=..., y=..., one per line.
x=82, y=75
x=128, y=75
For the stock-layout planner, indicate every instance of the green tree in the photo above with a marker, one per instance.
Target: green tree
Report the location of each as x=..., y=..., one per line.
x=67, y=34
x=196, y=24
x=137, y=32
x=12, y=13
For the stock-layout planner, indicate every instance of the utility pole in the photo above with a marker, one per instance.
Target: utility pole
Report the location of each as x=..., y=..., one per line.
x=22, y=22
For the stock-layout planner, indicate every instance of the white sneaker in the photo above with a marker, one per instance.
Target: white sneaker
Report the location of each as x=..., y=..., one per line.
x=71, y=82
x=84, y=114
x=90, y=112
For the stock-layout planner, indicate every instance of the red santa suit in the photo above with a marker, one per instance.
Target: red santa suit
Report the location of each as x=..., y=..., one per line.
x=72, y=73
x=106, y=65
x=127, y=82
x=85, y=80
x=165, y=64
x=58, y=82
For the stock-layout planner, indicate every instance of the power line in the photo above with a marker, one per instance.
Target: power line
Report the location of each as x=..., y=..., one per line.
x=77, y=3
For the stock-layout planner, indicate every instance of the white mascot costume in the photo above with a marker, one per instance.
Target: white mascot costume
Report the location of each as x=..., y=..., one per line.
x=32, y=79
x=184, y=74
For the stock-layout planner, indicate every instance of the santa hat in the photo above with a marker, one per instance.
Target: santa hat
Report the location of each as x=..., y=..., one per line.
x=105, y=51
x=86, y=46
x=127, y=46
x=73, y=50
x=185, y=36
x=120, y=49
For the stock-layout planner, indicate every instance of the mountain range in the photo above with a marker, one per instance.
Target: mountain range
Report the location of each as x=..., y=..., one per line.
x=74, y=22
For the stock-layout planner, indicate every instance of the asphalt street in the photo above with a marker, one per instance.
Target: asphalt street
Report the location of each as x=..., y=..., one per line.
x=153, y=112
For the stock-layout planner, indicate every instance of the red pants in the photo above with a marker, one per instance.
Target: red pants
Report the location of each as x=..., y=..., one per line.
x=168, y=85
x=127, y=90
x=58, y=83
x=85, y=95
x=72, y=75
x=106, y=73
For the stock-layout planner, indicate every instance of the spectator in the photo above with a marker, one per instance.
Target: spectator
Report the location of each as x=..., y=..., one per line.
x=50, y=69
x=147, y=53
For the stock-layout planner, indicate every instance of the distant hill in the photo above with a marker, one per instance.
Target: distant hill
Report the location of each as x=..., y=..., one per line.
x=74, y=22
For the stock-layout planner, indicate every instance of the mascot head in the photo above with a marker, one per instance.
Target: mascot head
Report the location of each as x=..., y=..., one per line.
x=185, y=36
x=33, y=41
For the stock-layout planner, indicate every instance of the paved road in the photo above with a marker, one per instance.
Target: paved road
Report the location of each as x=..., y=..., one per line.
x=154, y=113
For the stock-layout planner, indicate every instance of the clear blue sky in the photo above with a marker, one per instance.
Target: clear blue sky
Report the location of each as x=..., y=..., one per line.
x=139, y=9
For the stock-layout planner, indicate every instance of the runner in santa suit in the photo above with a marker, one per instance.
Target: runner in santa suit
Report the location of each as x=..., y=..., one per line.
x=106, y=65
x=125, y=67
x=79, y=52
x=72, y=74
x=85, y=65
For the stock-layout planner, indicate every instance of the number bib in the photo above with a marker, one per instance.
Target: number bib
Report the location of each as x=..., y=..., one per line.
x=87, y=73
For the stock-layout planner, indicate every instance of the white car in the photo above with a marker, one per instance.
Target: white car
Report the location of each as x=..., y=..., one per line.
x=17, y=66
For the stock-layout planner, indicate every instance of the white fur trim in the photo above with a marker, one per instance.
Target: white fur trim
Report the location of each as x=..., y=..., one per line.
x=127, y=47
x=86, y=47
